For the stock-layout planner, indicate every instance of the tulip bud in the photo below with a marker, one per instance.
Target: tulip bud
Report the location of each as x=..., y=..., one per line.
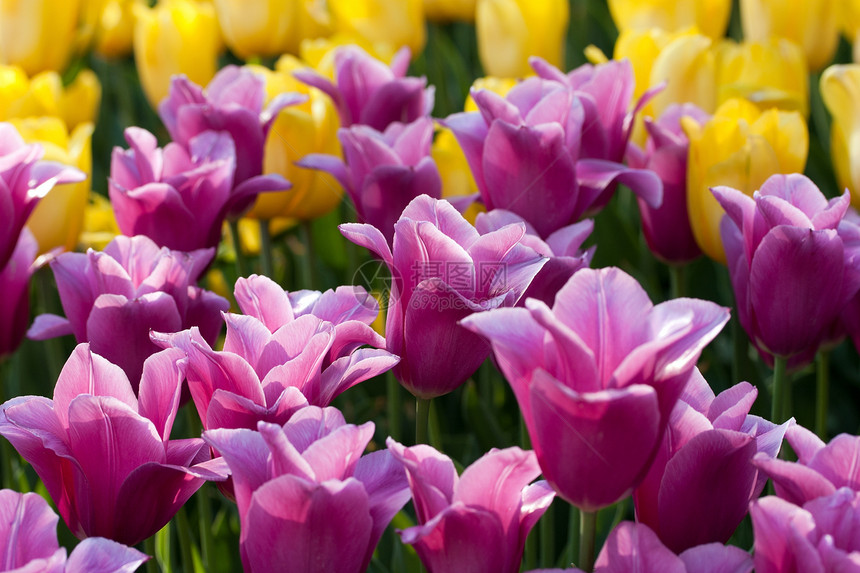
x=711, y=17
x=394, y=22
x=840, y=88
x=38, y=35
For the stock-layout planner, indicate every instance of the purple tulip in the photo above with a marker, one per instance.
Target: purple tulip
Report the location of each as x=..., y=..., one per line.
x=667, y=229
x=383, y=172
x=527, y=152
x=443, y=270
x=787, y=263
x=112, y=299
x=288, y=351
x=848, y=321
x=28, y=542
x=15, y=286
x=820, y=469
x=368, y=92
x=179, y=196
x=105, y=455
x=816, y=537
x=24, y=180
x=478, y=521
x=703, y=467
x=597, y=377
x=306, y=495
x=634, y=547
x=562, y=249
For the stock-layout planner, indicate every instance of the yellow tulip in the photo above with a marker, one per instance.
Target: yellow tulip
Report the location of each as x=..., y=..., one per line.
x=769, y=74
x=58, y=218
x=318, y=53
x=840, y=88
x=394, y=22
x=811, y=24
x=711, y=17
x=44, y=94
x=175, y=37
x=510, y=31
x=38, y=35
x=297, y=131
x=741, y=147
x=100, y=226
x=450, y=10
x=115, y=28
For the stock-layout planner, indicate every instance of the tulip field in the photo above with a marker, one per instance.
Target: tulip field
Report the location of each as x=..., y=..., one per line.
x=445, y=286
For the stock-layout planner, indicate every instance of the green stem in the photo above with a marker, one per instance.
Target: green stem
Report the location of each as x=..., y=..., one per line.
x=781, y=388
x=393, y=405
x=547, y=538
x=422, y=420
x=573, y=528
x=204, y=510
x=5, y=447
x=241, y=261
x=587, y=530
x=822, y=393
x=266, y=250
x=308, y=259
x=184, y=531
x=149, y=549
x=677, y=281
x=53, y=346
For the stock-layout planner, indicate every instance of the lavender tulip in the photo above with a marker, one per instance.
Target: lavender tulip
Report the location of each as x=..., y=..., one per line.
x=24, y=180
x=28, y=542
x=443, y=269
x=597, y=377
x=112, y=299
x=104, y=454
x=562, y=249
x=15, y=286
x=179, y=196
x=527, y=152
x=703, y=466
x=383, y=172
x=368, y=92
x=305, y=494
x=787, y=263
x=478, y=521
x=821, y=535
x=667, y=229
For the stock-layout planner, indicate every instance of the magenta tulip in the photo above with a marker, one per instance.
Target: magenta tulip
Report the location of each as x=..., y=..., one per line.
x=443, y=270
x=104, y=454
x=597, y=376
x=667, y=229
x=703, y=467
x=306, y=495
x=478, y=521
x=24, y=180
x=383, y=172
x=112, y=299
x=367, y=92
x=15, y=286
x=179, y=196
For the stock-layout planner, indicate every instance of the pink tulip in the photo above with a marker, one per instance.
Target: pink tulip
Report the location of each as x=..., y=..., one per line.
x=15, y=286
x=104, y=454
x=306, y=496
x=444, y=270
x=478, y=521
x=597, y=376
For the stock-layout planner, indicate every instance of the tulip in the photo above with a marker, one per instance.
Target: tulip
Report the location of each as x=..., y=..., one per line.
x=319, y=53
x=114, y=35
x=393, y=22
x=38, y=35
x=286, y=351
x=811, y=24
x=44, y=94
x=28, y=541
x=450, y=10
x=848, y=20
x=710, y=16
x=112, y=299
x=787, y=263
x=105, y=455
x=820, y=535
x=179, y=196
x=15, y=286
x=597, y=377
x=383, y=172
x=368, y=92
x=442, y=270
x=305, y=494
x=739, y=147
x=478, y=521
x=840, y=89
x=57, y=220
x=100, y=226
x=175, y=37
x=667, y=229
x=703, y=466
x=511, y=31
x=562, y=250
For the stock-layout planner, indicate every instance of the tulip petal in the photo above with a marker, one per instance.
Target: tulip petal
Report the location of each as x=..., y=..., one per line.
x=47, y=326
x=98, y=554
x=717, y=558
x=432, y=477
x=28, y=529
x=793, y=482
x=634, y=547
x=838, y=461
x=387, y=491
x=261, y=297
x=161, y=389
x=782, y=541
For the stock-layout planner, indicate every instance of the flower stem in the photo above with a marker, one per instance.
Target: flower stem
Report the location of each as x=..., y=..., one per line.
x=547, y=538
x=677, y=281
x=587, y=530
x=149, y=549
x=822, y=393
x=393, y=405
x=184, y=531
x=779, y=407
x=422, y=420
x=308, y=259
x=241, y=261
x=5, y=447
x=573, y=528
x=266, y=257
